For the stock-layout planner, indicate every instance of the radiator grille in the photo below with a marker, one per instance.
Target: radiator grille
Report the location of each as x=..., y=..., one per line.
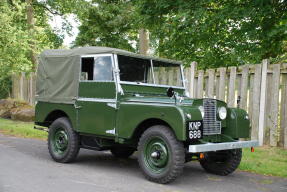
x=210, y=125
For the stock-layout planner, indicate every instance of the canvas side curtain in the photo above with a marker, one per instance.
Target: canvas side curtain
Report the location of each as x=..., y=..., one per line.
x=58, y=79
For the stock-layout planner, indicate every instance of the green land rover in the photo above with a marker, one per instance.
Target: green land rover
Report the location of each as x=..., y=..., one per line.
x=103, y=98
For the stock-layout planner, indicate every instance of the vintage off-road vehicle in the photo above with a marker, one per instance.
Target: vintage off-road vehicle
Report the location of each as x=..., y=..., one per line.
x=108, y=99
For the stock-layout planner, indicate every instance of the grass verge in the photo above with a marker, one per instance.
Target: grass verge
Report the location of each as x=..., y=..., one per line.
x=21, y=129
x=265, y=160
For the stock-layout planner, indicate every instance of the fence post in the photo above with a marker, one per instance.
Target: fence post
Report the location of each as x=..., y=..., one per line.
x=265, y=62
x=156, y=74
x=170, y=77
x=256, y=100
x=161, y=75
x=31, y=88
x=221, y=91
x=244, y=87
x=275, y=104
x=193, y=67
x=269, y=94
x=22, y=79
x=200, y=84
x=186, y=72
x=210, y=84
x=231, y=88
x=283, y=113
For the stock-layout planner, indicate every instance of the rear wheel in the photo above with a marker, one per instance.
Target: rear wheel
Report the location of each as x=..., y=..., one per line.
x=161, y=157
x=222, y=162
x=122, y=152
x=63, y=141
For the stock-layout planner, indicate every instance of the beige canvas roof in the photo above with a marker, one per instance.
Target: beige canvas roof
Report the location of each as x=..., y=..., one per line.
x=97, y=50
x=59, y=70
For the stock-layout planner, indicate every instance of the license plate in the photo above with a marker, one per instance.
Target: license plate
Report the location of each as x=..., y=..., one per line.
x=194, y=130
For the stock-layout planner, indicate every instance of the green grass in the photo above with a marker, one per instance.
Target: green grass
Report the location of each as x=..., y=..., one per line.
x=21, y=129
x=265, y=161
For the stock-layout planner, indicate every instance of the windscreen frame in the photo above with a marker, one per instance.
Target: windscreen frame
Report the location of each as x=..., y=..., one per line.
x=153, y=77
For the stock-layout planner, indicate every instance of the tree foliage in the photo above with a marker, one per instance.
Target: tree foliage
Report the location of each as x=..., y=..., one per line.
x=212, y=32
x=217, y=33
x=111, y=23
x=15, y=39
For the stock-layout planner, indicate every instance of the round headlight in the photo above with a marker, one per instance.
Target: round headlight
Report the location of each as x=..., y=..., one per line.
x=201, y=109
x=222, y=113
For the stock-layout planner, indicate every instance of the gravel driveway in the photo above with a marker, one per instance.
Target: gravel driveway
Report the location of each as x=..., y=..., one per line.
x=25, y=166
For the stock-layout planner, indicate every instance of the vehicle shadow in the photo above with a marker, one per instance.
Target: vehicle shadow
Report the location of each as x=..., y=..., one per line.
x=105, y=161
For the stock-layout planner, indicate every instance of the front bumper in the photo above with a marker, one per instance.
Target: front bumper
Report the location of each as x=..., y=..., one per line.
x=221, y=146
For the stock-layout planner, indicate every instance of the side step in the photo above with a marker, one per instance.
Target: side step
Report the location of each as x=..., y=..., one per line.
x=41, y=128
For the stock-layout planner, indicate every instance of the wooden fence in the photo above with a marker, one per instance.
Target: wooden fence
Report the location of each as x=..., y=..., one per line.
x=262, y=89
x=24, y=86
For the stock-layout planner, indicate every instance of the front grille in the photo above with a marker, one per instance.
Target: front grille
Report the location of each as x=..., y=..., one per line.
x=210, y=124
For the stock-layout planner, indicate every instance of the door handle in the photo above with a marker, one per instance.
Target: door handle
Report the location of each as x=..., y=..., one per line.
x=77, y=106
x=113, y=105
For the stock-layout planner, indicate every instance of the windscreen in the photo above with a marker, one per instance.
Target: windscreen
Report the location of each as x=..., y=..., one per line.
x=167, y=74
x=149, y=71
x=135, y=69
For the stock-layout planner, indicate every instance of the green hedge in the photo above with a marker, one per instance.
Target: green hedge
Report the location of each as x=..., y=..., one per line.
x=5, y=87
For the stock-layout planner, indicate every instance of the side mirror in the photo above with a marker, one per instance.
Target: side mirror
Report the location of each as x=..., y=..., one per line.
x=170, y=92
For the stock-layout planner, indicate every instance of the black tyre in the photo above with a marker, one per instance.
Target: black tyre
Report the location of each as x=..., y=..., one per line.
x=222, y=162
x=122, y=152
x=161, y=156
x=63, y=141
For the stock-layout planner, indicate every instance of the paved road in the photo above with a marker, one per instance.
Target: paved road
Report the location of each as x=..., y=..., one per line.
x=25, y=166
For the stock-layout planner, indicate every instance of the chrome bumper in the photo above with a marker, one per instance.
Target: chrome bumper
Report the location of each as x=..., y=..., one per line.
x=221, y=146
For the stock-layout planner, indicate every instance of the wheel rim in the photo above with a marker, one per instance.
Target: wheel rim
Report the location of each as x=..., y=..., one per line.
x=156, y=154
x=60, y=141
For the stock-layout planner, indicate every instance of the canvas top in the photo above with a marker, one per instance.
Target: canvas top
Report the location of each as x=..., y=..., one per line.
x=80, y=51
x=97, y=50
x=58, y=72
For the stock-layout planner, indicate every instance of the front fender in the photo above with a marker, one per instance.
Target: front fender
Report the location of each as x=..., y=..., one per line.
x=238, y=123
x=130, y=115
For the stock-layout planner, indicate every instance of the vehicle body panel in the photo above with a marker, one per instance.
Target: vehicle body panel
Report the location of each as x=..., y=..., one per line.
x=238, y=123
x=44, y=109
x=131, y=114
x=95, y=116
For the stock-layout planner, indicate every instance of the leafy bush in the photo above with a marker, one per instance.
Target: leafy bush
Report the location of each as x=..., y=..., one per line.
x=5, y=87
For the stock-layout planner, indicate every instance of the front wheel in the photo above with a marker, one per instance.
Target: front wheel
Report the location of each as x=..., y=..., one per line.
x=222, y=162
x=161, y=156
x=63, y=141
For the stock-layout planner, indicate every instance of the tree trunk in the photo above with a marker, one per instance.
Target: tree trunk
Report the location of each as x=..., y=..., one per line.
x=31, y=28
x=144, y=41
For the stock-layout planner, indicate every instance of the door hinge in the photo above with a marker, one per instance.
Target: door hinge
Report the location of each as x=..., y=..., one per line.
x=112, y=131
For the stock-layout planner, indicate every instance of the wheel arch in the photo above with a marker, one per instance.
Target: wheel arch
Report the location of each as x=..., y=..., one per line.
x=146, y=124
x=46, y=113
x=53, y=115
